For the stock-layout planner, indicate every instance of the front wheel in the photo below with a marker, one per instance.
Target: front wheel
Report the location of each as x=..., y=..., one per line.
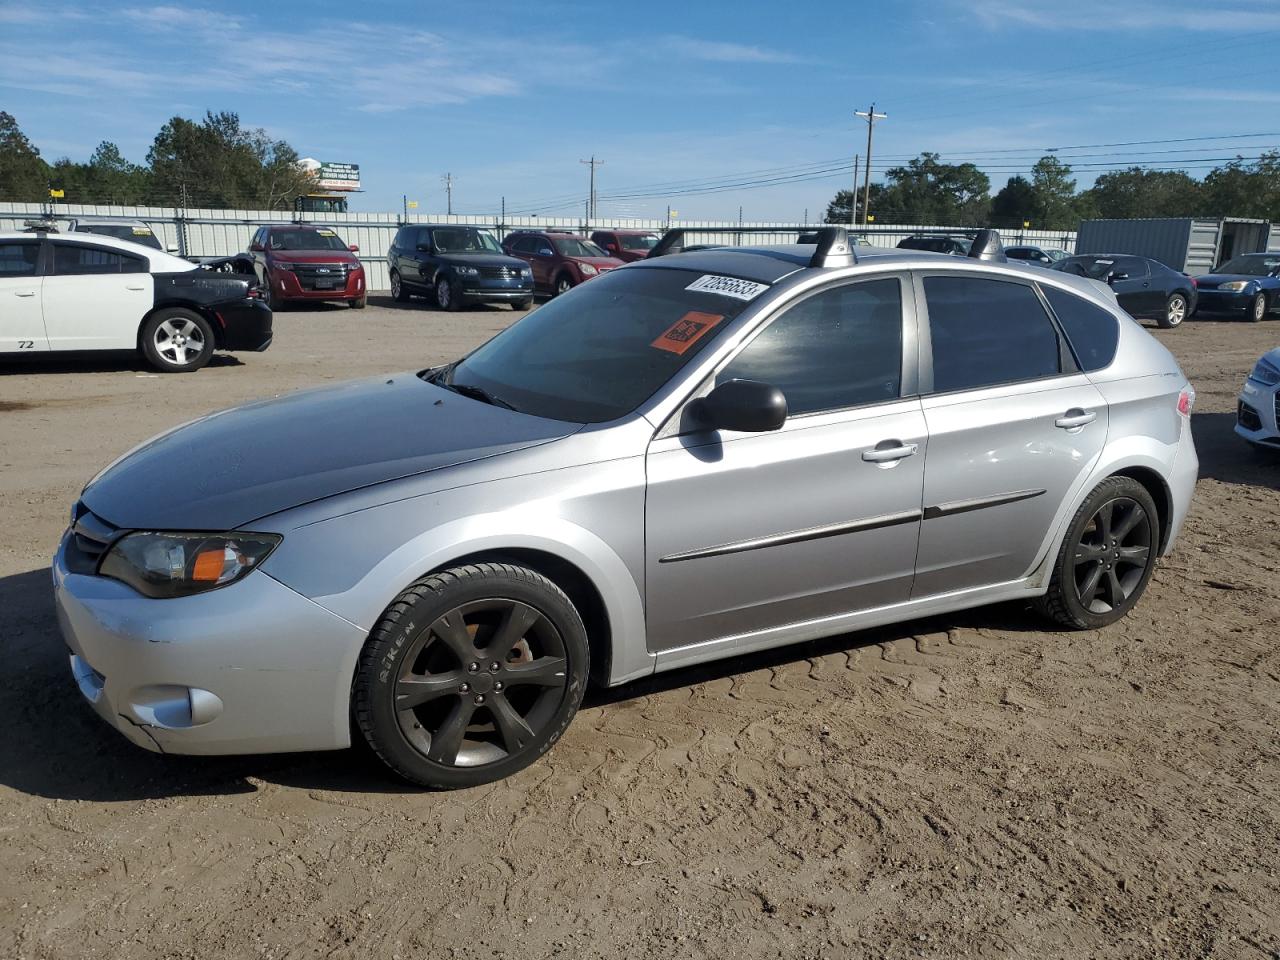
x=176, y=340
x=1175, y=311
x=521, y=305
x=360, y=302
x=446, y=296
x=1107, y=557
x=471, y=675
x=1258, y=308
x=398, y=292
x=564, y=284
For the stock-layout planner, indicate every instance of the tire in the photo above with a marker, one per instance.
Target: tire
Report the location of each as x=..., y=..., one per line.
x=361, y=302
x=464, y=731
x=446, y=297
x=176, y=340
x=521, y=305
x=398, y=292
x=269, y=297
x=1095, y=583
x=564, y=283
x=1258, y=308
x=1175, y=311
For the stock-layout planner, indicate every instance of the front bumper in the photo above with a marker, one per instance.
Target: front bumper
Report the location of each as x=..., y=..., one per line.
x=252, y=668
x=286, y=285
x=246, y=325
x=1220, y=301
x=1258, y=414
x=495, y=289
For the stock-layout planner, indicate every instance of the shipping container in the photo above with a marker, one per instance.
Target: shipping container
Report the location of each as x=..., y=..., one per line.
x=1194, y=245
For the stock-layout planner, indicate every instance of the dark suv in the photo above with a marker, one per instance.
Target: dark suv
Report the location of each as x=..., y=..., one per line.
x=560, y=261
x=458, y=265
x=956, y=246
x=298, y=261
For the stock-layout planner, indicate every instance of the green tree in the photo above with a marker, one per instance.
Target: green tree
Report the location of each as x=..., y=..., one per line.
x=110, y=178
x=1055, y=194
x=929, y=191
x=1243, y=189
x=1015, y=203
x=838, y=210
x=1136, y=192
x=23, y=175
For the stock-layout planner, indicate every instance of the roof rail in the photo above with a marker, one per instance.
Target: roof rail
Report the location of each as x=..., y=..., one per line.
x=42, y=225
x=833, y=247
x=987, y=246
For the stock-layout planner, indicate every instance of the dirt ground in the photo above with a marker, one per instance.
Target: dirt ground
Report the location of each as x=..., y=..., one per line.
x=973, y=785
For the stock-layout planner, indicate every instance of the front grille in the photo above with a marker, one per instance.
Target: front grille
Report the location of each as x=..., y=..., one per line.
x=321, y=276
x=500, y=273
x=90, y=537
x=1248, y=417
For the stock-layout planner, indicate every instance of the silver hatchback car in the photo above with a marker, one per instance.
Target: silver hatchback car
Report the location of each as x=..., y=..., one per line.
x=698, y=455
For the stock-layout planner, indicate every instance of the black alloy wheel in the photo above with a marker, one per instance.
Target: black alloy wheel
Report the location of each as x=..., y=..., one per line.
x=471, y=675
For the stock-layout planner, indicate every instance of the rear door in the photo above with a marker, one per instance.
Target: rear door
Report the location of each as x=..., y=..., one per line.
x=1135, y=291
x=1014, y=429
x=21, y=319
x=94, y=298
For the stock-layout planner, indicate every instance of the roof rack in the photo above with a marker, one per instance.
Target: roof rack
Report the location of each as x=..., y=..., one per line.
x=43, y=225
x=833, y=247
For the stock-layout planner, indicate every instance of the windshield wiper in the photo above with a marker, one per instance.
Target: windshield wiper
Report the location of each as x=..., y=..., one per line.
x=477, y=393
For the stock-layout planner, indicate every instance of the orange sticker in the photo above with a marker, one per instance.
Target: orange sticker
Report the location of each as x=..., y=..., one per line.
x=686, y=331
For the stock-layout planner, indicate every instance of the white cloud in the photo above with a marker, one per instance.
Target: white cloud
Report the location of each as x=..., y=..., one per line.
x=721, y=52
x=1093, y=16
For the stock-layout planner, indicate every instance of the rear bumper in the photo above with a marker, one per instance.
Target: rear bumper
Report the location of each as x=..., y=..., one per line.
x=252, y=668
x=245, y=325
x=1182, y=484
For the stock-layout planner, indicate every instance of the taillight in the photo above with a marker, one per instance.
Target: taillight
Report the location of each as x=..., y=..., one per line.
x=1194, y=283
x=1186, y=400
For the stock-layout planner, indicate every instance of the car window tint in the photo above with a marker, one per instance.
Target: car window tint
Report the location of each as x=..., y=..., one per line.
x=75, y=260
x=1135, y=267
x=1092, y=331
x=987, y=332
x=18, y=259
x=840, y=348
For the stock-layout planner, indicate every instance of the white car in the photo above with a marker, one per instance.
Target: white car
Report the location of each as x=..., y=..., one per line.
x=82, y=291
x=1258, y=408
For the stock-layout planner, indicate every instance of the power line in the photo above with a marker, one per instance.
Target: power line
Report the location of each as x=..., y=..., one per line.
x=591, y=202
x=871, y=117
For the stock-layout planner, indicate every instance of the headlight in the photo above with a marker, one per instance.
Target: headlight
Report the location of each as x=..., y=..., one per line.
x=527, y=272
x=281, y=265
x=1235, y=286
x=1266, y=372
x=466, y=271
x=163, y=565
x=587, y=270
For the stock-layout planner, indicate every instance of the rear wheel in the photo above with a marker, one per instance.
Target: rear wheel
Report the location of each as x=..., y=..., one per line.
x=1107, y=557
x=398, y=292
x=1175, y=311
x=1258, y=308
x=176, y=340
x=471, y=675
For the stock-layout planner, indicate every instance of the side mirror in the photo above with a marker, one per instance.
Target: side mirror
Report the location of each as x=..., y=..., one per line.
x=425, y=248
x=545, y=252
x=747, y=406
x=611, y=247
x=1117, y=275
x=171, y=248
x=255, y=248
x=353, y=247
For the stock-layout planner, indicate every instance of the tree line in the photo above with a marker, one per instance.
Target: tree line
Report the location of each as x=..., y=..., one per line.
x=928, y=191
x=214, y=162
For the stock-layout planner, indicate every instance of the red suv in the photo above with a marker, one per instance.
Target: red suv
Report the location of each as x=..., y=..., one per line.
x=298, y=261
x=626, y=245
x=560, y=261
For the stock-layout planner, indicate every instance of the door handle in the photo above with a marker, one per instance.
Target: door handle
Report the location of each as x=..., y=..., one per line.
x=131, y=286
x=1074, y=419
x=24, y=293
x=888, y=451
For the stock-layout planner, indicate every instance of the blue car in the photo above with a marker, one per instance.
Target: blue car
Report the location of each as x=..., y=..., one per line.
x=1248, y=284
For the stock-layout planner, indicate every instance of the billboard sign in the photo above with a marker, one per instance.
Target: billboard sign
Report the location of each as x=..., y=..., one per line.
x=334, y=176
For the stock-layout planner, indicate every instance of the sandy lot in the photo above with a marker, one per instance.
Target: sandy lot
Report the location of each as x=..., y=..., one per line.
x=973, y=785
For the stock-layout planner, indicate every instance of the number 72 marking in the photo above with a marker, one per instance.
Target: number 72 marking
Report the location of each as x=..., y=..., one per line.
x=26, y=344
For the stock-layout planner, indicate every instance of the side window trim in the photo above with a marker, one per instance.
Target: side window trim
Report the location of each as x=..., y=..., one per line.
x=908, y=383
x=1068, y=366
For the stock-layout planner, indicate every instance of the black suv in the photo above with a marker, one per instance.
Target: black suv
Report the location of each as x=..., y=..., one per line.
x=457, y=265
x=957, y=246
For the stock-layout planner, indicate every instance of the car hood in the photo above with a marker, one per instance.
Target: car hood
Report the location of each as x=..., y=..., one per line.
x=1217, y=279
x=314, y=256
x=483, y=259
x=233, y=467
x=602, y=263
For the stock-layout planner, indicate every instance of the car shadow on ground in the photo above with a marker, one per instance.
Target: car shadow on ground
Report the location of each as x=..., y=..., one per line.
x=1226, y=457
x=97, y=361
x=388, y=302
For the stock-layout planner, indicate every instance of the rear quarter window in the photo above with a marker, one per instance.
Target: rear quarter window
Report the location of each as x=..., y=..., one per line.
x=1092, y=331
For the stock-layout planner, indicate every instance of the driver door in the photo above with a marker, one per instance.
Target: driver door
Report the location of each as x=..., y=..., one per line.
x=749, y=535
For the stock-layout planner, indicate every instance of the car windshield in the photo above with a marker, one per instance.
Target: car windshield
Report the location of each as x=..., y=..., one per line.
x=1257, y=265
x=464, y=240
x=120, y=231
x=1098, y=268
x=598, y=353
x=305, y=240
x=1055, y=255
x=639, y=241
x=573, y=247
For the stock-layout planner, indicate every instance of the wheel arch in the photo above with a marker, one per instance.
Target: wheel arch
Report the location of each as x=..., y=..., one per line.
x=209, y=315
x=1160, y=493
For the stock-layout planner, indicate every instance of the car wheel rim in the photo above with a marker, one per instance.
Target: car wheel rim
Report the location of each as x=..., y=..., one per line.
x=443, y=293
x=481, y=683
x=563, y=286
x=395, y=285
x=179, y=341
x=1259, y=308
x=1112, y=555
x=1177, y=310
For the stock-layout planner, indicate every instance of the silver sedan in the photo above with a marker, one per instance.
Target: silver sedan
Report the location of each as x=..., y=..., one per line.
x=701, y=454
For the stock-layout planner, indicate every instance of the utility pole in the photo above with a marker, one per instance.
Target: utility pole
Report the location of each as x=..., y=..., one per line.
x=853, y=202
x=871, y=117
x=591, y=202
x=448, y=189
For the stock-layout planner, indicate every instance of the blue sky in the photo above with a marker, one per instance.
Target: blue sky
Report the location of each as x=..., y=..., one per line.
x=509, y=96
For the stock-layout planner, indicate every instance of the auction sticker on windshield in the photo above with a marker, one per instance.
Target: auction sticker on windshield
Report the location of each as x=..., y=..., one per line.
x=686, y=331
x=728, y=287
